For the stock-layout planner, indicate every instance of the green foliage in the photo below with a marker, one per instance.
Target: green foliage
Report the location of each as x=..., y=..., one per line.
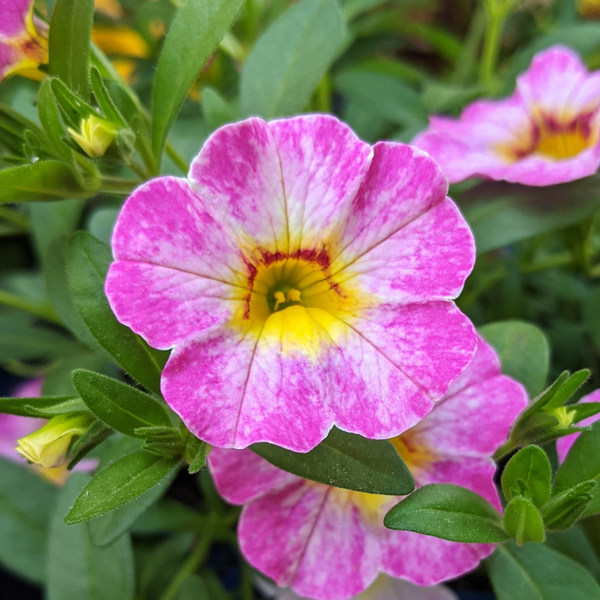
x=197, y=28
x=528, y=473
x=535, y=572
x=348, y=461
x=450, y=512
x=290, y=58
x=523, y=521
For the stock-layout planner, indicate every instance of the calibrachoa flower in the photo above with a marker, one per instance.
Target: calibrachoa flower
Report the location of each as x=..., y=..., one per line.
x=303, y=279
x=547, y=132
x=23, y=40
x=384, y=588
x=563, y=444
x=330, y=543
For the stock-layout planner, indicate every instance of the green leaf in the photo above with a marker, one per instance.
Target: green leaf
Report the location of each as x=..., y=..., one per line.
x=87, y=261
x=575, y=544
x=215, y=109
x=565, y=392
x=567, y=506
x=26, y=504
x=449, y=512
x=70, y=29
x=112, y=525
x=290, y=58
x=52, y=124
x=42, y=181
x=523, y=349
x=79, y=569
x=195, y=32
x=119, y=405
x=121, y=482
x=42, y=407
x=383, y=96
x=503, y=213
x=348, y=461
x=528, y=473
x=535, y=572
x=523, y=521
x=199, y=459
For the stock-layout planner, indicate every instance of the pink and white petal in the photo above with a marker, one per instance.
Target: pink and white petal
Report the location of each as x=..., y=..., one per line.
x=167, y=306
x=427, y=560
x=552, y=79
x=428, y=259
x=242, y=476
x=323, y=164
x=233, y=391
x=485, y=364
x=563, y=444
x=476, y=420
x=238, y=176
x=164, y=223
x=9, y=57
x=14, y=14
x=430, y=343
x=401, y=184
x=312, y=538
x=538, y=170
x=13, y=427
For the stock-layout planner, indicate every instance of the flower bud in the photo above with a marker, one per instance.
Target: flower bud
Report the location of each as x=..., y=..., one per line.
x=95, y=135
x=48, y=446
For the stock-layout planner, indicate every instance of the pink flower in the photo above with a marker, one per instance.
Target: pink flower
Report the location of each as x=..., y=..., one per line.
x=303, y=279
x=13, y=427
x=330, y=543
x=384, y=588
x=23, y=40
x=563, y=444
x=547, y=132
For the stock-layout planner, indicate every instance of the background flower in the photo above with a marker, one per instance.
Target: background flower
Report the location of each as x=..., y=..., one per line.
x=547, y=132
x=330, y=543
x=304, y=279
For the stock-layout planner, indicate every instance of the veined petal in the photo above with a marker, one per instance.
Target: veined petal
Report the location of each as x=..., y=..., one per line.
x=428, y=259
x=313, y=538
x=238, y=176
x=323, y=164
x=175, y=270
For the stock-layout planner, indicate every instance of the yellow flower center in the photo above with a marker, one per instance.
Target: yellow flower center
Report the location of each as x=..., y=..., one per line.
x=553, y=138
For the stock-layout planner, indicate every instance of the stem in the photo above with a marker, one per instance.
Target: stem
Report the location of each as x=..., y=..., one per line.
x=194, y=560
x=465, y=65
x=560, y=259
x=504, y=450
x=14, y=217
x=43, y=312
x=324, y=95
x=118, y=185
x=176, y=158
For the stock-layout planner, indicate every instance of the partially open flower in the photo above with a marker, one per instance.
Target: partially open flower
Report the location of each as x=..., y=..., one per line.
x=330, y=543
x=547, y=132
x=303, y=278
x=23, y=40
x=48, y=446
x=95, y=135
x=563, y=444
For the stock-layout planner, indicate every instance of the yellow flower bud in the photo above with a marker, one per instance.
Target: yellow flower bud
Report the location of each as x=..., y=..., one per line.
x=48, y=446
x=95, y=135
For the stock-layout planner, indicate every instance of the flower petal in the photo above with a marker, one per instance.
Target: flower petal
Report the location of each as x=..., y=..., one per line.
x=428, y=259
x=238, y=176
x=323, y=164
x=175, y=268
x=14, y=14
x=311, y=537
x=242, y=476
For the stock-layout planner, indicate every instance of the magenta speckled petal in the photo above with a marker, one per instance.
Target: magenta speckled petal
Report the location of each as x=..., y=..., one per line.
x=238, y=176
x=14, y=13
x=323, y=164
x=231, y=471
x=409, y=265
x=173, y=274
x=563, y=444
x=547, y=132
x=426, y=560
x=311, y=538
